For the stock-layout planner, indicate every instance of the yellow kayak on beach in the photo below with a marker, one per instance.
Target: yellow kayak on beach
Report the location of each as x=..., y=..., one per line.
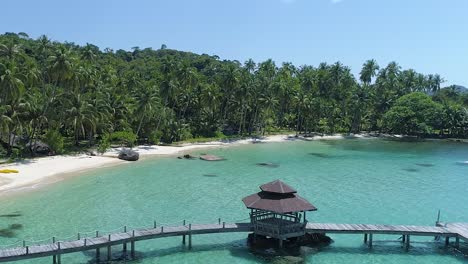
x=8, y=171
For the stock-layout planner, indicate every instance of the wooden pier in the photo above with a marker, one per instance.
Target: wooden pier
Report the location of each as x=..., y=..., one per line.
x=459, y=231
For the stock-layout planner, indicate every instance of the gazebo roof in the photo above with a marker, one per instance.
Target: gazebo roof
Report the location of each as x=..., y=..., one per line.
x=277, y=187
x=278, y=197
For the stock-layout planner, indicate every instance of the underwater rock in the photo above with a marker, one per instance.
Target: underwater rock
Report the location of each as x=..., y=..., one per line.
x=268, y=164
x=320, y=155
x=425, y=164
x=410, y=169
x=15, y=214
x=15, y=226
x=210, y=175
x=187, y=156
x=299, y=246
x=288, y=260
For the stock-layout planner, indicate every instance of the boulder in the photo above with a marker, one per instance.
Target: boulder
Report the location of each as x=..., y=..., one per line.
x=40, y=148
x=129, y=155
x=211, y=157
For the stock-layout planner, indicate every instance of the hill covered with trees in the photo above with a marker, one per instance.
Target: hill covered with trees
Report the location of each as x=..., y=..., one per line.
x=63, y=93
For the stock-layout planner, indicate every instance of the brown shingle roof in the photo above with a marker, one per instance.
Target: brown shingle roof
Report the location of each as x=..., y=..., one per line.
x=277, y=187
x=278, y=197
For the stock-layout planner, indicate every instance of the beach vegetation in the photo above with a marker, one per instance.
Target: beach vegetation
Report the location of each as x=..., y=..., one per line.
x=163, y=95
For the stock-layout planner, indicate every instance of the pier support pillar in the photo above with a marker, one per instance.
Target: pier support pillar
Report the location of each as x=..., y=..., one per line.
x=183, y=239
x=280, y=243
x=132, y=249
x=447, y=241
x=59, y=259
x=54, y=259
x=109, y=253
x=190, y=237
x=407, y=245
x=98, y=255
x=124, y=250
x=365, y=238
x=370, y=240
x=457, y=242
x=403, y=240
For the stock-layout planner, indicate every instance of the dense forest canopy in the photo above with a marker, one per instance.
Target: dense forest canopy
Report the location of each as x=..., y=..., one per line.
x=62, y=92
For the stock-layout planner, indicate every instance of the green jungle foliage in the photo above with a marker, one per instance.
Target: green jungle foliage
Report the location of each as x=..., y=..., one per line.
x=82, y=93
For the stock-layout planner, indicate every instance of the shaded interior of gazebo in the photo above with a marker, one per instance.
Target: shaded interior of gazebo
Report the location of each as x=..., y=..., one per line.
x=277, y=211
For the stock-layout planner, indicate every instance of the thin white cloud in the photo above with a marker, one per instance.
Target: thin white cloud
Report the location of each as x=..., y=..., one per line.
x=336, y=1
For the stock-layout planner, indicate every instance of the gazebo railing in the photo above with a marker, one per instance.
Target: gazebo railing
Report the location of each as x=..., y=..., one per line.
x=273, y=229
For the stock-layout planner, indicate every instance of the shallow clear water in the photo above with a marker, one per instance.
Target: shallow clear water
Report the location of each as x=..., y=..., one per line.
x=349, y=181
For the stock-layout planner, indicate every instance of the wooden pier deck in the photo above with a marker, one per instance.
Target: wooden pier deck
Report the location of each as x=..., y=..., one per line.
x=449, y=230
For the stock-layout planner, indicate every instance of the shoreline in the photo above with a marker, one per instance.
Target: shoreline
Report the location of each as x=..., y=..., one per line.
x=47, y=170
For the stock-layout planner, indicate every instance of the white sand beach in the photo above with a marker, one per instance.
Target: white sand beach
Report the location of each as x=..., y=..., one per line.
x=34, y=172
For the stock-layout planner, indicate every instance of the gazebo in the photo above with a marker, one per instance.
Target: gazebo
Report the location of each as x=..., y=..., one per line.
x=278, y=212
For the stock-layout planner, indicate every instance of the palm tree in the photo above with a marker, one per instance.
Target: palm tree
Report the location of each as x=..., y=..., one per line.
x=11, y=85
x=369, y=70
x=10, y=51
x=147, y=101
x=81, y=115
x=61, y=65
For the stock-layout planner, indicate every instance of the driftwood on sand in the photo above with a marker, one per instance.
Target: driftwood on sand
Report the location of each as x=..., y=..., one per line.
x=209, y=157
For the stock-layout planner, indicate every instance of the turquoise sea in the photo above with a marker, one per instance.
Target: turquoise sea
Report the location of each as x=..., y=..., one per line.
x=349, y=181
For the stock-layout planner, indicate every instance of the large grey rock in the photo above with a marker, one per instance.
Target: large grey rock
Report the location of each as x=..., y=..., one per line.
x=129, y=155
x=40, y=148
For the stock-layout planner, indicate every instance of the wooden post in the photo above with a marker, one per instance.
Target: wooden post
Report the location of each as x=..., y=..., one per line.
x=447, y=241
x=280, y=243
x=457, y=242
x=54, y=259
x=370, y=240
x=407, y=242
x=109, y=253
x=219, y=221
x=124, y=250
x=154, y=224
x=365, y=238
x=78, y=236
x=98, y=255
x=403, y=240
x=224, y=225
x=27, y=250
x=132, y=249
x=59, y=259
x=183, y=236
x=190, y=237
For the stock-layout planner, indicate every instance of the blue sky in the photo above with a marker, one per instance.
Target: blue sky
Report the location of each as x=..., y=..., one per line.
x=430, y=36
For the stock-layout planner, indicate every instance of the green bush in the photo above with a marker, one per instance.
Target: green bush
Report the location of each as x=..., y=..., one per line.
x=155, y=137
x=104, y=144
x=54, y=139
x=123, y=138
